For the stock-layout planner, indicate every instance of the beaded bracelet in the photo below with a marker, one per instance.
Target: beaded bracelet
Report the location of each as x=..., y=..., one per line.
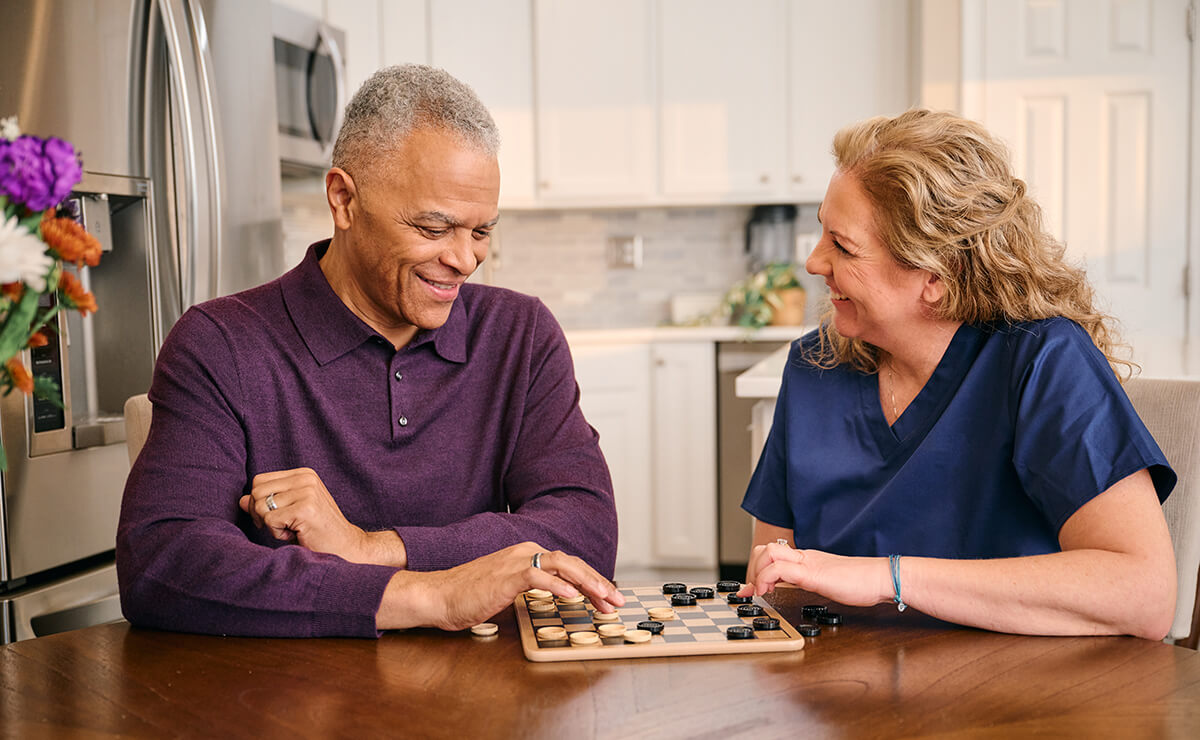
x=894, y=560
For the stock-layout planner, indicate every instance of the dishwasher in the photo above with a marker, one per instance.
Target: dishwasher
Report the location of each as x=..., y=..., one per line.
x=734, y=454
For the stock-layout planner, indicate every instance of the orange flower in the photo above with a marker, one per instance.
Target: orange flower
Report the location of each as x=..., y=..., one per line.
x=38, y=339
x=13, y=291
x=20, y=377
x=70, y=241
x=82, y=300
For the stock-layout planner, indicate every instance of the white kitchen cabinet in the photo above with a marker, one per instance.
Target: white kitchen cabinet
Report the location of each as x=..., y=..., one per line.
x=684, y=443
x=595, y=101
x=363, y=53
x=488, y=44
x=723, y=101
x=848, y=60
x=402, y=32
x=614, y=382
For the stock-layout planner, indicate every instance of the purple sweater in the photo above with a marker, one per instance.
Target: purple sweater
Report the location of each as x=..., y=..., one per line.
x=465, y=441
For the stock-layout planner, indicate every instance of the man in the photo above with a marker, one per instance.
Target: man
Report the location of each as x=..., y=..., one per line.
x=369, y=443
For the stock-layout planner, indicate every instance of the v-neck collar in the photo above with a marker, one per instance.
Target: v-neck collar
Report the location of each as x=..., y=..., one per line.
x=927, y=407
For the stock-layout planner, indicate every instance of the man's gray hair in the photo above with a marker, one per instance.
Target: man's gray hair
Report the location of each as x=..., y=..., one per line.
x=395, y=101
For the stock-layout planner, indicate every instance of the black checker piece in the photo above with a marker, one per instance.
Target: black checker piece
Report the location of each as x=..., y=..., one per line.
x=812, y=610
x=674, y=588
x=740, y=599
x=739, y=632
x=702, y=592
x=829, y=618
x=766, y=624
x=654, y=628
x=683, y=600
x=808, y=630
x=750, y=610
x=726, y=586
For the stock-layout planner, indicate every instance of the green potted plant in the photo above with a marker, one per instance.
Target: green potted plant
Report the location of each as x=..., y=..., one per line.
x=773, y=295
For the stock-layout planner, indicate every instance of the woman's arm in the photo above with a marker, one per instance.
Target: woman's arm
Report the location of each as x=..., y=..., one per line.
x=1115, y=575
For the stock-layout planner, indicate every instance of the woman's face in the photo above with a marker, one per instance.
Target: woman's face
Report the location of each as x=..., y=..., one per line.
x=875, y=299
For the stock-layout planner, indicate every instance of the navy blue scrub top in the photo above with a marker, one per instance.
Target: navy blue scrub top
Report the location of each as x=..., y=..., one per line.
x=1018, y=427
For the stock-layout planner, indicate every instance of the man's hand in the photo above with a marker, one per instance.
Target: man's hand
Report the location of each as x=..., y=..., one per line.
x=305, y=512
x=470, y=593
x=846, y=580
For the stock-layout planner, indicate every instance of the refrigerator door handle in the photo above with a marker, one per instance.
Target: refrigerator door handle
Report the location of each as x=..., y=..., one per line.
x=208, y=106
x=187, y=205
x=327, y=40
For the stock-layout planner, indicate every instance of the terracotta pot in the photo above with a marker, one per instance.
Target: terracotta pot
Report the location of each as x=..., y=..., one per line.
x=791, y=313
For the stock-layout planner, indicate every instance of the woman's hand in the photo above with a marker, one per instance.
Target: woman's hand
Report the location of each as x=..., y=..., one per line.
x=846, y=580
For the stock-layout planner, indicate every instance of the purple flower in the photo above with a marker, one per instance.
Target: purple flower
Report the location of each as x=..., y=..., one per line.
x=38, y=173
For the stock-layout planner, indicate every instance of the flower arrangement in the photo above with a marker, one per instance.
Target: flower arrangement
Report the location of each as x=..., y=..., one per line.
x=39, y=237
x=753, y=301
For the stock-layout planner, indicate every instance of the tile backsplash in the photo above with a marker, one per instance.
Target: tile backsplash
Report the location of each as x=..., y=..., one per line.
x=561, y=256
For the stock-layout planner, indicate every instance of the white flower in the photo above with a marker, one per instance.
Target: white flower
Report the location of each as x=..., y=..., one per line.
x=23, y=256
x=9, y=129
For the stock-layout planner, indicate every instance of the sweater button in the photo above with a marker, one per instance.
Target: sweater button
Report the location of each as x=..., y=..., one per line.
x=403, y=421
x=399, y=376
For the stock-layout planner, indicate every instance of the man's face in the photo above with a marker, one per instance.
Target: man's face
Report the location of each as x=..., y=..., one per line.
x=422, y=223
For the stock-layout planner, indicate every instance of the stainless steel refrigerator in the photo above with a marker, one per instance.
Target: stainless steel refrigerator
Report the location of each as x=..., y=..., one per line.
x=171, y=104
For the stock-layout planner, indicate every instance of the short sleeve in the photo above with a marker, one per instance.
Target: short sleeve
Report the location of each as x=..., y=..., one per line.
x=766, y=497
x=1076, y=432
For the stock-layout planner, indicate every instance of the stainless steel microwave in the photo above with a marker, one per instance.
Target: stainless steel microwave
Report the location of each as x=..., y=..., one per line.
x=310, y=89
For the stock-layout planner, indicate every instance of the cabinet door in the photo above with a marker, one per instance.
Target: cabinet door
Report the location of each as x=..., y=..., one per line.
x=848, y=61
x=488, y=44
x=402, y=25
x=595, y=98
x=723, y=98
x=614, y=387
x=360, y=21
x=684, y=440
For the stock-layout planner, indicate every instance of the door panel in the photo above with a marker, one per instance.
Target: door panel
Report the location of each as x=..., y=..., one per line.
x=1092, y=98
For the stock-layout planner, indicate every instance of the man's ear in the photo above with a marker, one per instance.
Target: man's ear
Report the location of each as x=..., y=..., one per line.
x=342, y=195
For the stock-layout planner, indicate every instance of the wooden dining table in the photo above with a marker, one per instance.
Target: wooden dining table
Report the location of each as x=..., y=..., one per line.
x=879, y=674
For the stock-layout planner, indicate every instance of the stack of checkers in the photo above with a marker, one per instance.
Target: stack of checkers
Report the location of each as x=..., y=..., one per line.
x=671, y=615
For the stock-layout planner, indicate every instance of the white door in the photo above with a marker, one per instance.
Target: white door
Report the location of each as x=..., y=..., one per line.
x=722, y=97
x=1092, y=98
x=595, y=100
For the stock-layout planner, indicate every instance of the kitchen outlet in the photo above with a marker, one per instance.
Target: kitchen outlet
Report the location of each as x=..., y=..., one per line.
x=625, y=251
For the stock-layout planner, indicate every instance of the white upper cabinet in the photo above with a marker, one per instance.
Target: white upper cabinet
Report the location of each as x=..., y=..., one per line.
x=360, y=20
x=595, y=101
x=488, y=44
x=723, y=100
x=848, y=60
x=652, y=102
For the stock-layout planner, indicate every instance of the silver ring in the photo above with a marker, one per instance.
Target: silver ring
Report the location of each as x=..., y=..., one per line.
x=781, y=541
x=271, y=505
x=537, y=560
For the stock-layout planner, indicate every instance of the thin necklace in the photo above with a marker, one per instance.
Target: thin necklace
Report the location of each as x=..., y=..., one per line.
x=892, y=377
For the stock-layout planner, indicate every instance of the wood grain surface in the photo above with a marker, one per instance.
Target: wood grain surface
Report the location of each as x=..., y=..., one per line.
x=881, y=674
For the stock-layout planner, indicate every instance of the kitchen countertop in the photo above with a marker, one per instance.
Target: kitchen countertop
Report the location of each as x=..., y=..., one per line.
x=763, y=379
x=684, y=334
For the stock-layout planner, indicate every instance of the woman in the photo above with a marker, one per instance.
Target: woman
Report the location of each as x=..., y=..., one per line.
x=954, y=436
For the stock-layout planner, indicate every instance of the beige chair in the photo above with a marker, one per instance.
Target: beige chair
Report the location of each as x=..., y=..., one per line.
x=1171, y=411
x=137, y=424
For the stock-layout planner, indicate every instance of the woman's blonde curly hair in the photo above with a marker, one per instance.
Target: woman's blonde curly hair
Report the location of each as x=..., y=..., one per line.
x=946, y=201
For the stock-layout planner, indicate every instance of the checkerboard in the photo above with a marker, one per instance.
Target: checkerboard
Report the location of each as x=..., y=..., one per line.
x=696, y=630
